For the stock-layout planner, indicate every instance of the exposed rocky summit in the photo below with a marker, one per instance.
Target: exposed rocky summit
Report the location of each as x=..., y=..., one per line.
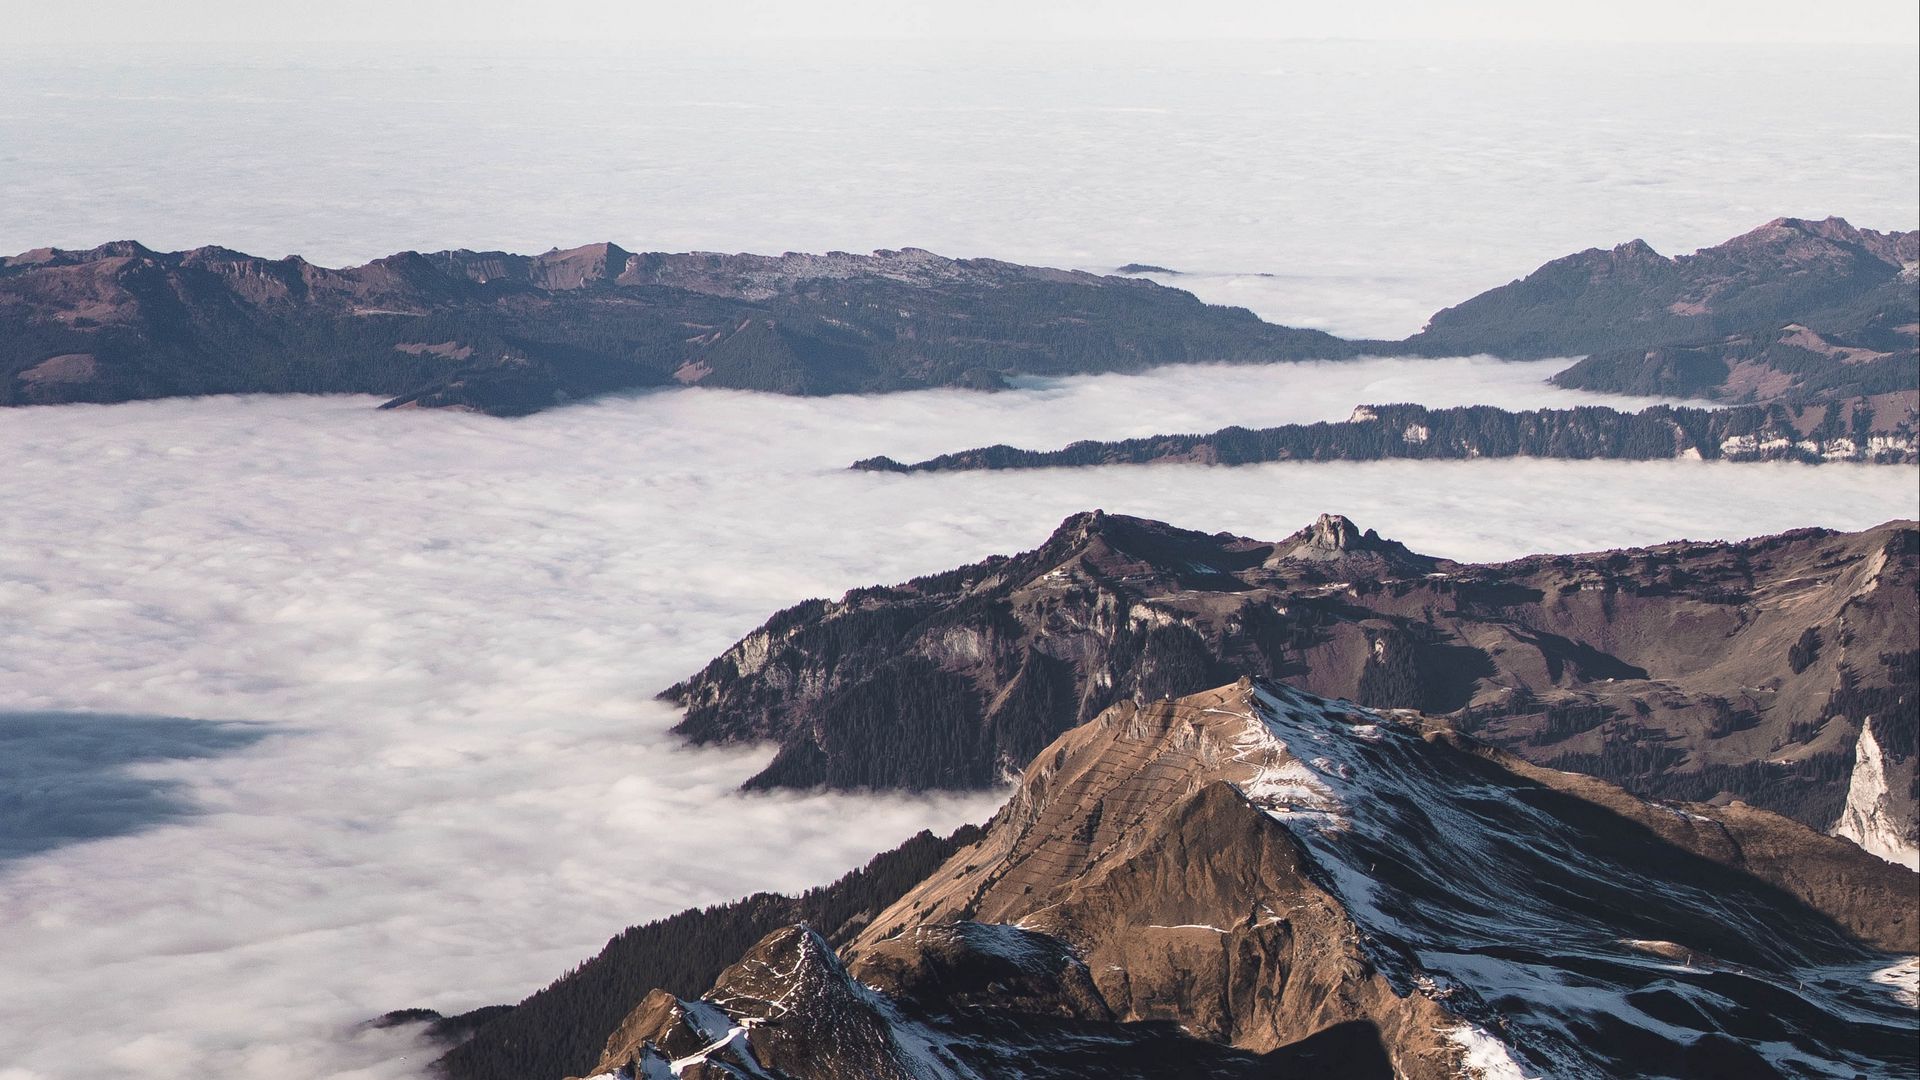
x=1794, y=310
x=510, y=334
x=1694, y=671
x=1884, y=430
x=1255, y=882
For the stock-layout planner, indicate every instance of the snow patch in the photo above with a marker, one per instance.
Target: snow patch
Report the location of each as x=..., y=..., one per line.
x=1483, y=1057
x=1904, y=980
x=715, y=1025
x=1283, y=784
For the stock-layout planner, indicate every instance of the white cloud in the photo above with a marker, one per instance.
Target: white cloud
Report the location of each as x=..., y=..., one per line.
x=453, y=626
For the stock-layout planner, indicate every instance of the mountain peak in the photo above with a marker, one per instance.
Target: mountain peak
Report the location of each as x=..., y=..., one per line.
x=1831, y=225
x=1355, y=828
x=1138, y=551
x=1334, y=538
x=1638, y=249
x=121, y=249
x=1118, y=531
x=788, y=1006
x=1800, y=241
x=1335, y=532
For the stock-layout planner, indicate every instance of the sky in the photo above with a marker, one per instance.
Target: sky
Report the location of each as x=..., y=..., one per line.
x=608, y=21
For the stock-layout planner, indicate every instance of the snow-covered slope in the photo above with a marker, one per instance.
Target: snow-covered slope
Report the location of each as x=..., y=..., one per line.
x=1550, y=926
x=1257, y=882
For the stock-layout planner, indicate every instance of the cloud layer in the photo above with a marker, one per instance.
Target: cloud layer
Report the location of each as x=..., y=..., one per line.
x=1381, y=181
x=450, y=628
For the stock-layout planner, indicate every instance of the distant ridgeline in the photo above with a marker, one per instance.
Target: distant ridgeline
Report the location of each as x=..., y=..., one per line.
x=1879, y=430
x=510, y=334
x=1794, y=311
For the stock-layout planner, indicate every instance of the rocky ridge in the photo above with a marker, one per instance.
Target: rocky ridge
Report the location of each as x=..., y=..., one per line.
x=1693, y=671
x=511, y=334
x=1796, y=311
x=1883, y=430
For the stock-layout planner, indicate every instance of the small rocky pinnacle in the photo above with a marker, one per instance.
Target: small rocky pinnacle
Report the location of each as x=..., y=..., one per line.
x=1333, y=532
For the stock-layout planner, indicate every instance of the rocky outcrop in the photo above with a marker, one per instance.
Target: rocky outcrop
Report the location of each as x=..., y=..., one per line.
x=510, y=334
x=1337, y=543
x=1795, y=310
x=1881, y=430
x=1874, y=816
x=1252, y=881
x=1693, y=671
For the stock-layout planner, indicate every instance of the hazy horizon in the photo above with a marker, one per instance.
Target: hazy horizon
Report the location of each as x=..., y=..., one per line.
x=1702, y=21
x=1350, y=187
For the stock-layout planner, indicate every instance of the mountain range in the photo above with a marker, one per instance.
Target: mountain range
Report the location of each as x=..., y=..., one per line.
x=512, y=334
x=1798, y=311
x=1783, y=671
x=1792, y=310
x=1879, y=430
x=1253, y=881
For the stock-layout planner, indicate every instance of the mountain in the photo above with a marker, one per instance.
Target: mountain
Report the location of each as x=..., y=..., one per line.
x=562, y=1028
x=1256, y=882
x=1792, y=311
x=1880, y=430
x=511, y=334
x=1783, y=670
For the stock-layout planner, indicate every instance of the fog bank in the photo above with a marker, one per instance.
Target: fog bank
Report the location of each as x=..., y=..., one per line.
x=444, y=632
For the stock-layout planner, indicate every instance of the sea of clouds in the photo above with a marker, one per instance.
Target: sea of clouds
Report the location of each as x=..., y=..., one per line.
x=310, y=711
x=318, y=711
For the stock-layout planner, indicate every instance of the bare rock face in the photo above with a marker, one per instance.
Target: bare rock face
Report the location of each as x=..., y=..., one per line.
x=1330, y=533
x=1875, y=816
x=1253, y=881
x=1338, y=545
x=1685, y=671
